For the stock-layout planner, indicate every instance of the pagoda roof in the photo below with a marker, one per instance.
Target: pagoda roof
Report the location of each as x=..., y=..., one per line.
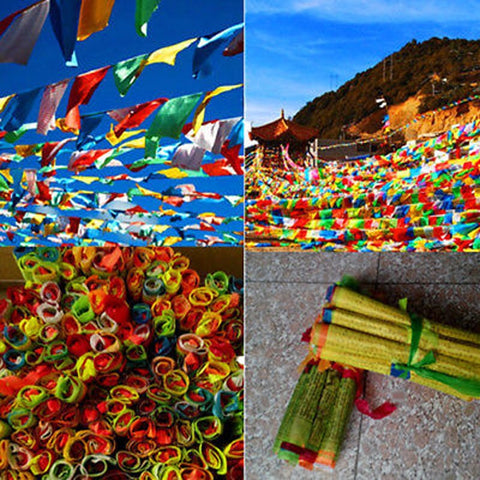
x=283, y=130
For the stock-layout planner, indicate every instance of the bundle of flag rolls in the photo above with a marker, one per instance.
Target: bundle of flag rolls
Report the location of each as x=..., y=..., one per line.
x=365, y=333
x=317, y=416
x=120, y=363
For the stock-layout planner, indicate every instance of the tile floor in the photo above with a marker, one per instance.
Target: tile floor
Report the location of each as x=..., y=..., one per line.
x=431, y=435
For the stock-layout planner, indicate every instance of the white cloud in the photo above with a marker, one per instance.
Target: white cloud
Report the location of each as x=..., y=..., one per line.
x=372, y=11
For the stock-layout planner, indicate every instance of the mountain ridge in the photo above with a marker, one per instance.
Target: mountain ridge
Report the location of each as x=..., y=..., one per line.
x=435, y=73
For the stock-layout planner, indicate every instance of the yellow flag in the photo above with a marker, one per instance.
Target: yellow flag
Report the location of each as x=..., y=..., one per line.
x=169, y=241
x=114, y=140
x=173, y=173
x=200, y=112
x=136, y=143
x=94, y=16
x=6, y=173
x=27, y=150
x=87, y=180
x=4, y=102
x=169, y=54
x=150, y=193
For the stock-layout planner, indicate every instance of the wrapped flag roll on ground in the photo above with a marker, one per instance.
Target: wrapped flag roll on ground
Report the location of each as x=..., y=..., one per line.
x=362, y=332
x=317, y=416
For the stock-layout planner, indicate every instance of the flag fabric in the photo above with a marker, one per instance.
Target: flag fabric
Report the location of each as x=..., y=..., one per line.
x=4, y=101
x=236, y=46
x=169, y=54
x=208, y=45
x=19, y=33
x=188, y=156
x=89, y=123
x=127, y=71
x=18, y=109
x=200, y=112
x=51, y=98
x=94, y=17
x=169, y=121
x=143, y=11
x=64, y=17
x=132, y=117
x=213, y=135
x=83, y=88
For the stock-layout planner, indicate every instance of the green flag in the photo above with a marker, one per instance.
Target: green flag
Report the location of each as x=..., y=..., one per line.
x=143, y=12
x=169, y=121
x=126, y=72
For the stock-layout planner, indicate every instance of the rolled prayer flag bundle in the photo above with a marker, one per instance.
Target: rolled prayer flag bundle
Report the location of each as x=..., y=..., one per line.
x=315, y=422
x=357, y=330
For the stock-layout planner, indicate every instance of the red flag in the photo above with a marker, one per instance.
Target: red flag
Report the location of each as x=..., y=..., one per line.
x=82, y=160
x=231, y=154
x=82, y=90
x=134, y=116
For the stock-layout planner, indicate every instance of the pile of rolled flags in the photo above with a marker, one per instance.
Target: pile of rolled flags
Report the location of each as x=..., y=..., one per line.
x=365, y=334
x=120, y=363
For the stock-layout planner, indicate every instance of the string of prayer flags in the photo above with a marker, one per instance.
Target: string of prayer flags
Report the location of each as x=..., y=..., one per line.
x=19, y=32
x=94, y=17
x=207, y=46
x=421, y=197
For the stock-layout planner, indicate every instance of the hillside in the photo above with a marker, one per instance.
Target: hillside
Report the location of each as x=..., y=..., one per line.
x=423, y=76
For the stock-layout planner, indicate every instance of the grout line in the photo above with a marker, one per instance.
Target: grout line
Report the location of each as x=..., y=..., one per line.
x=365, y=384
x=376, y=283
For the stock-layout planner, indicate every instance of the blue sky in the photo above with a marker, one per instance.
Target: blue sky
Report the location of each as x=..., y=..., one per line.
x=299, y=49
x=174, y=21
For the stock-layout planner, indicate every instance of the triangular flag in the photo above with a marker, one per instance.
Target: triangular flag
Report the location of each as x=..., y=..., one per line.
x=17, y=110
x=208, y=45
x=143, y=11
x=64, y=15
x=200, y=112
x=236, y=46
x=170, y=120
x=4, y=101
x=189, y=157
x=94, y=17
x=82, y=90
x=132, y=117
x=127, y=71
x=20, y=36
x=89, y=124
x=48, y=106
x=169, y=54
x=212, y=136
